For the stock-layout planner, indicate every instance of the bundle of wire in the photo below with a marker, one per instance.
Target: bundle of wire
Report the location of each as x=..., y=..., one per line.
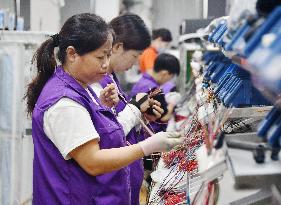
x=182, y=163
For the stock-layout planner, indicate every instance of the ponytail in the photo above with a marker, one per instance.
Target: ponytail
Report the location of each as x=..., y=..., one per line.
x=85, y=32
x=46, y=63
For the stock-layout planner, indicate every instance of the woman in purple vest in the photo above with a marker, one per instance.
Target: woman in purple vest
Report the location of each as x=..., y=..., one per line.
x=80, y=151
x=131, y=38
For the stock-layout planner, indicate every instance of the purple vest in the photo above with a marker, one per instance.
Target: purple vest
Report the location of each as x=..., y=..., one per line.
x=168, y=87
x=59, y=181
x=136, y=168
x=144, y=85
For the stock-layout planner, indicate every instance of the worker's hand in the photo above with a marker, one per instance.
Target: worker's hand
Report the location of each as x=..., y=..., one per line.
x=161, y=142
x=144, y=103
x=156, y=109
x=109, y=95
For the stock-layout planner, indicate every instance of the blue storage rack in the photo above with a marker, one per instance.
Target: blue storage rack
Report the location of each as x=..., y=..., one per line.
x=240, y=32
x=232, y=85
x=271, y=25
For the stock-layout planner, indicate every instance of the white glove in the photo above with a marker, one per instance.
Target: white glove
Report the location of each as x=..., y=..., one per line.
x=161, y=142
x=197, y=56
x=195, y=66
x=173, y=98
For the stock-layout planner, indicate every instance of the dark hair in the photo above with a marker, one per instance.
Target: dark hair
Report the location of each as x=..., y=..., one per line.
x=130, y=30
x=163, y=33
x=167, y=62
x=265, y=7
x=85, y=32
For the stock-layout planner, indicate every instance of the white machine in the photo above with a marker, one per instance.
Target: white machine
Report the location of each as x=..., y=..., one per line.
x=16, y=148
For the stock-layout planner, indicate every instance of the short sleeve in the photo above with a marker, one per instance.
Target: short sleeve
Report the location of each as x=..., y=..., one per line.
x=68, y=125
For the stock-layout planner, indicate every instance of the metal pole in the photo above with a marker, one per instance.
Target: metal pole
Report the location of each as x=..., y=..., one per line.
x=92, y=6
x=205, y=9
x=17, y=12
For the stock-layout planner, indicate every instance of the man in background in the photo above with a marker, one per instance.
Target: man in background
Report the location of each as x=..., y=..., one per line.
x=160, y=41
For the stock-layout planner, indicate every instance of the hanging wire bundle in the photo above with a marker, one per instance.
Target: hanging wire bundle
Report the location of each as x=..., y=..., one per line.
x=174, y=198
x=179, y=161
x=184, y=155
x=205, y=125
x=212, y=126
x=207, y=193
x=182, y=183
x=182, y=162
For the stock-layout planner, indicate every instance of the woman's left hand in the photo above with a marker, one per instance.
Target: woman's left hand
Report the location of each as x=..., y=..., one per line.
x=156, y=109
x=109, y=96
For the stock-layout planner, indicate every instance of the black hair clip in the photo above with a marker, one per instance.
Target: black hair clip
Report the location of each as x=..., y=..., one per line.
x=56, y=39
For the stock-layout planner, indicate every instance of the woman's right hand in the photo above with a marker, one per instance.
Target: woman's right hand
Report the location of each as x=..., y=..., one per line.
x=161, y=142
x=109, y=96
x=156, y=109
